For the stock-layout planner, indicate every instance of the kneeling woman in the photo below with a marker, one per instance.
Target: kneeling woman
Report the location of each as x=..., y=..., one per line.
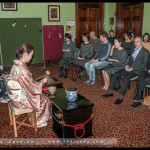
x=68, y=49
x=118, y=57
x=86, y=53
x=31, y=93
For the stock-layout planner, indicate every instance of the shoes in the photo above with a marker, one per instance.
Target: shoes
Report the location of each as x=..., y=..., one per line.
x=136, y=104
x=104, y=90
x=107, y=95
x=91, y=83
x=87, y=81
x=118, y=101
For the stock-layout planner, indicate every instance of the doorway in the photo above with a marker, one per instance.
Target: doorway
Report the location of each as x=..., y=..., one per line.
x=89, y=17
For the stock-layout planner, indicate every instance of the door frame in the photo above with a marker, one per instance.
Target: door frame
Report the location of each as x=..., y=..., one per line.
x=101, y=20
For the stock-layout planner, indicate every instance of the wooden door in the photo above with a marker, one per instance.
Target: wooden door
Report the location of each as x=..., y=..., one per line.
x=89, y=17
x=129, y=17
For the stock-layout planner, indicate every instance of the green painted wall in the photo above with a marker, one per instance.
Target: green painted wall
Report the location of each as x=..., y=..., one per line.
x=110, y=8
x=37, y=10
x=146, y=18
x=31, y=10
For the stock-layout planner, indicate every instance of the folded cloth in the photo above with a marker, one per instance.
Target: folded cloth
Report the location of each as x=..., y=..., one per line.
x=45, y=89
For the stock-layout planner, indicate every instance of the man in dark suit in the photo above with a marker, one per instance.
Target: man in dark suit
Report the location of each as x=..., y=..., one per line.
x=137, y=63
x=143, y=79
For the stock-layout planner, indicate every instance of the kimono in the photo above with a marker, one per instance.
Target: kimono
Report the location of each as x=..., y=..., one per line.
x=31, y=94
x=3, y=91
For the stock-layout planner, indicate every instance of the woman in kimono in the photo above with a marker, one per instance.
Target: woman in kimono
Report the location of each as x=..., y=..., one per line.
x=3, y=92
x=31, y=92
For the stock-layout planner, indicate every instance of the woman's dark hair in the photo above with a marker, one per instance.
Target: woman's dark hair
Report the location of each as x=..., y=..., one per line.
x=119, y=40
x=128, y=34
x=67, y=35
x=145, y=35
x=23, y=49
x=69, y=26
x=104, y=34
x=86, y=35
x=111, y=31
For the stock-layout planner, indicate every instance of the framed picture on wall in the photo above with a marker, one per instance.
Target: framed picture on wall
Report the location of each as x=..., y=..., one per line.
x=53, y=13
x=9, y=6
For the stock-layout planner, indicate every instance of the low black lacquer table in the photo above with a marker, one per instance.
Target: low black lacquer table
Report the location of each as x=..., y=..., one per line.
x=71, y=120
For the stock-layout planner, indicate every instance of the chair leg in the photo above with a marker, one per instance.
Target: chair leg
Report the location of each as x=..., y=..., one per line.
x=10, y=115
x=14, y=124
x=35, y=125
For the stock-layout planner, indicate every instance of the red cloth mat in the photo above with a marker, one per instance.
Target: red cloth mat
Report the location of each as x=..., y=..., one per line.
x=45, y=89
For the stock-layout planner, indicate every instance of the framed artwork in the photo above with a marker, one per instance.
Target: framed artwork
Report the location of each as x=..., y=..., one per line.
x=9, y=6
x=53, y=13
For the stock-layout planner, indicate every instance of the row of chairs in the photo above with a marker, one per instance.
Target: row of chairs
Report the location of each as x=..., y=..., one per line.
x=147, y=87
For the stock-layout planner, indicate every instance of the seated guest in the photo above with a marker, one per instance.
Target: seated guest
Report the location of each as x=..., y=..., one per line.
x=31, y=91
x=68, y=49
x=145, y=38
x=100, y=59
x=127, y=44
x=86, y=53
x=3, y=91
x=137, y=63
x=70, y=32
x=95, y=41
x=112, y=37
x=118, y=57
x=143, y=79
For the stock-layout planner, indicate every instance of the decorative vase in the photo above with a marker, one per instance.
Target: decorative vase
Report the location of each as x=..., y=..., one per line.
x=52, y=90
x=72, y=94
x=71, y=105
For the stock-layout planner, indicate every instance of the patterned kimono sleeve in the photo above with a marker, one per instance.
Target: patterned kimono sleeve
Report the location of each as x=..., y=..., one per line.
x=28, y=83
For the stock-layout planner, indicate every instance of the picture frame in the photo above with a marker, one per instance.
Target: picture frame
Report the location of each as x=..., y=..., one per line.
x=53, y=13
x=9, y=6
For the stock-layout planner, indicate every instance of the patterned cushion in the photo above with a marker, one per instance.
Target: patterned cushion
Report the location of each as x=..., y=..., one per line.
x=14, y=89
x=21, y=111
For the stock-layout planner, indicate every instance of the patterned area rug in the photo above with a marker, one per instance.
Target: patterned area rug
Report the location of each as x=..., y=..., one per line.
x=129, y=126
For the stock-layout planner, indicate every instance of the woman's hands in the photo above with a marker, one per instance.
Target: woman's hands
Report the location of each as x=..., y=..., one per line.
x=80, y=58
x=66, y=50
x=112, y=48
x=113, y=60
x=44, y=81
